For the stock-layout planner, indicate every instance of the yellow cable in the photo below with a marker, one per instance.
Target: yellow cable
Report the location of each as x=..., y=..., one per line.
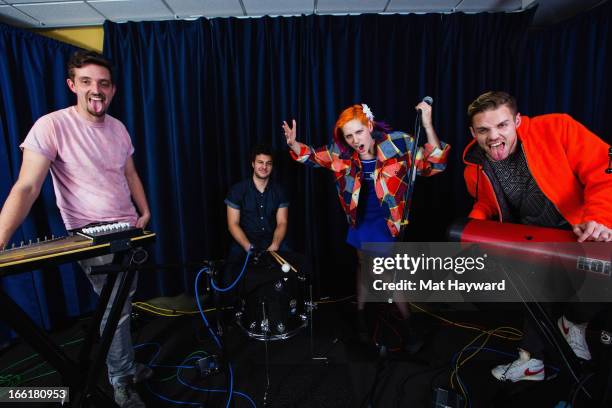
x=151, y=309
x=454, y=372
x=504, y=332
x=320, y=302
x=166, y=310
x=459, y=363
x=516, y=333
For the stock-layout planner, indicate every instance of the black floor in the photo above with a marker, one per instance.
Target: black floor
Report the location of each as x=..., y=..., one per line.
x=335, y=369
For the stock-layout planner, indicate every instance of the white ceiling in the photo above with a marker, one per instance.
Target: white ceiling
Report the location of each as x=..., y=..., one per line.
x=70, y=13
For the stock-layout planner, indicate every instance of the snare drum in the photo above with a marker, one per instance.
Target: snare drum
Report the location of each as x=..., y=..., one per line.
x=272, y=305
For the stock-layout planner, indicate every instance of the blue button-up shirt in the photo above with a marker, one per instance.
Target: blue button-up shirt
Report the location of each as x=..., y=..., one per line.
x=257, y=209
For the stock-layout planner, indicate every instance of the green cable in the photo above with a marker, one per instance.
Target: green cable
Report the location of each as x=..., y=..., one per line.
x=9, y=380
x=18, y=362
x=36, y=355
x=17, y=379
x=44, y=363
x=37, y=377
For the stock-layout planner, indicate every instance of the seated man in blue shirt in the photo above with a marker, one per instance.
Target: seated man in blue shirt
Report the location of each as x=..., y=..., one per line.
x=257, y=209
x=257, y=213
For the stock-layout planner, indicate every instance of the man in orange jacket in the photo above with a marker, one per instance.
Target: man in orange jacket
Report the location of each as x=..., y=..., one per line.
x=548, y=171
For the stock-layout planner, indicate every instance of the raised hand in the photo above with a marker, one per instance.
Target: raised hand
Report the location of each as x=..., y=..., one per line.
x=290, y=133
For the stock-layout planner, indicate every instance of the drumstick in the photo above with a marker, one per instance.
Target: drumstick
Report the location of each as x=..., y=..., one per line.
x=275, y=256
x=279, y=258
x=282, y=260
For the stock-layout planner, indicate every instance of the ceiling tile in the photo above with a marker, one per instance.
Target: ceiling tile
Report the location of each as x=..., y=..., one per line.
x=132, y=10
x=445, y=6
x=355, y=6
x=418, y=6
x=490, y=5
x=61, y=14
x=14, y=17
x=278, y=7
x=208, y=8
x=36, y=1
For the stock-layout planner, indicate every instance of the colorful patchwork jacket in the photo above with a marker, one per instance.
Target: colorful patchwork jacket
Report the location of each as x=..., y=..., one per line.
x=393, y=161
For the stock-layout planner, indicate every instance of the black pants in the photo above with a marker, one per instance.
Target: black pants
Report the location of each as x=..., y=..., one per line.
x=577, y=313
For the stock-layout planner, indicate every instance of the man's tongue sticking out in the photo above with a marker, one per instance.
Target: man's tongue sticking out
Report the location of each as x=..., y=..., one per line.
x=497, y=150
x=96, y=103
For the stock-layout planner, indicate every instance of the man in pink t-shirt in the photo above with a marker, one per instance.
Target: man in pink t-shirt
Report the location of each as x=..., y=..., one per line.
x=89, y=154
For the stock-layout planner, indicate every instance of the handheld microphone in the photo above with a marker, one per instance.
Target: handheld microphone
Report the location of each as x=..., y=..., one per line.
x=428, y=100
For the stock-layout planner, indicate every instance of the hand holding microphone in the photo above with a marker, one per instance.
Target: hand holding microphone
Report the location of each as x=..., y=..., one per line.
x=424, y=111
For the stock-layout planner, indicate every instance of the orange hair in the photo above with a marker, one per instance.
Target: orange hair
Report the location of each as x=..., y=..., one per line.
x=350, y=113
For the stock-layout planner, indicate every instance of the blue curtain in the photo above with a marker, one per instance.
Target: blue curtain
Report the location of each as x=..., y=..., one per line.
x=196, y=96
x=567, y=69
x=33, y=83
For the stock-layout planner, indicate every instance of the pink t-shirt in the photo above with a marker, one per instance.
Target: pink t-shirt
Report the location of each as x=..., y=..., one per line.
x=87, y=165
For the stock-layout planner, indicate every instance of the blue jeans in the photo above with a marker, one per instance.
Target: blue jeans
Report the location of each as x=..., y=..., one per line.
x=120, y=357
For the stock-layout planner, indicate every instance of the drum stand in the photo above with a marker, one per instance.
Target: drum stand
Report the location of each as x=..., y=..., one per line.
x=311, y=305
x=321, y=359
x=266, y=330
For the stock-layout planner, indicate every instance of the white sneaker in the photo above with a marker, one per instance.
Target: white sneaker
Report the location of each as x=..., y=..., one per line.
x=575, y=336
x=523, y=368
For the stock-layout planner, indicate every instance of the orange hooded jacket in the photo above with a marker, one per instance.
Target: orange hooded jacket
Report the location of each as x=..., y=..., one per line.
x=568, y=163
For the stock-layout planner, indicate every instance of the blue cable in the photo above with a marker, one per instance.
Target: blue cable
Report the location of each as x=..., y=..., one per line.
x=193, y=387
x=157, y=354
x=169, y=399
x=150, y=344
x=231, y=390
x=230, y=287
x=197, y=296
x=214, y=335
x=170, y=366
x=181, y=367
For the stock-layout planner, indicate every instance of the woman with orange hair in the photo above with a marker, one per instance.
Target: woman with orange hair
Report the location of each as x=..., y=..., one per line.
x=372, y=167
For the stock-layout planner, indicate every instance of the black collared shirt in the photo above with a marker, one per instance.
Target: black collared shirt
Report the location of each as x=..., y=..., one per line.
x=257, y=210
